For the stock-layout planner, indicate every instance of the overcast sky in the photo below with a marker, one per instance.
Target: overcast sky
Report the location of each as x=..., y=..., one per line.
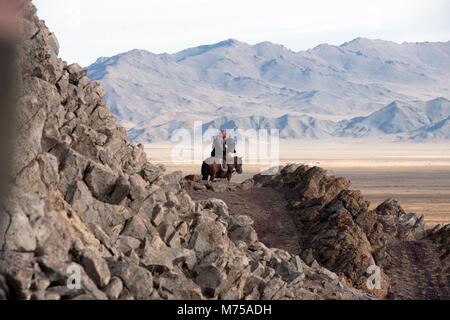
x=88, y=29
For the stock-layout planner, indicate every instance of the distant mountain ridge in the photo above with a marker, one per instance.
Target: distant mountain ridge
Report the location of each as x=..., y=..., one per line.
x=325, y=92
x=401, y=120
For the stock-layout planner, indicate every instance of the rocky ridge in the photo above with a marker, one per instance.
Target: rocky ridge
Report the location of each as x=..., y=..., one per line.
x=84, y=197
x=337, y=229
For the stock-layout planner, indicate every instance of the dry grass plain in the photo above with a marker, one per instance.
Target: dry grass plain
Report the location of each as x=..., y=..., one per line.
x=416, y=174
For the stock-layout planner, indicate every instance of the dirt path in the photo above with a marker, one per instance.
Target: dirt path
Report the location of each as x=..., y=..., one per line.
x=416, y=272
x=268, y=208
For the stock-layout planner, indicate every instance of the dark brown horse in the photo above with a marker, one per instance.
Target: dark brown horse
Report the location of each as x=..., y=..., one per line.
x=211, y=168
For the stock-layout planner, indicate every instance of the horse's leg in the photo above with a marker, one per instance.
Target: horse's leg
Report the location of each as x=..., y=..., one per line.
x=213, y=174
x=205, y=171
x=229, y=173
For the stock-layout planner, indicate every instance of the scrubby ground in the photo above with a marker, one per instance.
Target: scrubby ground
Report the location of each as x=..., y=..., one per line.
x=416, y=271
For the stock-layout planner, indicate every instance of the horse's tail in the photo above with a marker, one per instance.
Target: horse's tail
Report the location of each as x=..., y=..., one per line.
x=205, y=171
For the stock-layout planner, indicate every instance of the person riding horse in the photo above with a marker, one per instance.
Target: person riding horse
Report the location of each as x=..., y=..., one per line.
x=228, y=147
x=223, y=160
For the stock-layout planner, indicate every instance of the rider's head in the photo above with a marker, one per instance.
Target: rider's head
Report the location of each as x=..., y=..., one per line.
x=224, y=133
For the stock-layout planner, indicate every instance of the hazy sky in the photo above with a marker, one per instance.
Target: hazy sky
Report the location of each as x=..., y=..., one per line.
x=88, y=29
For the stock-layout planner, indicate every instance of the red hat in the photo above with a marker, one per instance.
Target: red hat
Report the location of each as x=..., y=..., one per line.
x=224, y=133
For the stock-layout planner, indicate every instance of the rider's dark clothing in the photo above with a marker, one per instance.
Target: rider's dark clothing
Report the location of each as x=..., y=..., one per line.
x=225, y=151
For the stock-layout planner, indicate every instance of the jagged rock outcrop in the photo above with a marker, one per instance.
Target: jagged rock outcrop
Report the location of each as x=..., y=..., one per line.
x=335, y=225
x=86, y=199
x=440, y=235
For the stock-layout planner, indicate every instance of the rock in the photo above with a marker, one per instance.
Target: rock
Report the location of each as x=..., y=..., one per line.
x=71, y=169
x=114, y=288
x=440, y=235
x=216, y=206
x=186, y=204
x=96, y=88
x=138, y=187
x=309, y=257
x=4, y=290
x=246, y=234
x=240, y=221
x=183, y=229
x=74, y=68
x=96, y=268
x=104, y=239
x=126, y=244
x=178, y=287
x=252, y=283
x=232, y=295
x=18, y=269
x=48, y=167
x=136, y=227
x=247, y=184
x=390, y=207
x=166, y=231
x=154, y=242
x=83, y=81
x=272, y=288
x=199, y=187
x=165, y=259
x=150, y=172
x=172, y=200
x=29, y=180
x=157, y=215
x=207, y=236
x=19, y=235
x=137, y=280
x=93, y=211
x=29, y=141
x=121, y=190
x=174, y=241
x=219, y=186
x=100, y=180
x=76, y=73
x=172, y=181
x=209, y=278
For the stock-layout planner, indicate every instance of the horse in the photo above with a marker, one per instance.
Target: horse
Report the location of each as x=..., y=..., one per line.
x=210, y=168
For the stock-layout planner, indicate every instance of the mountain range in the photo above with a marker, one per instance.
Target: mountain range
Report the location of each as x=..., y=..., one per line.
x=363, y=88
